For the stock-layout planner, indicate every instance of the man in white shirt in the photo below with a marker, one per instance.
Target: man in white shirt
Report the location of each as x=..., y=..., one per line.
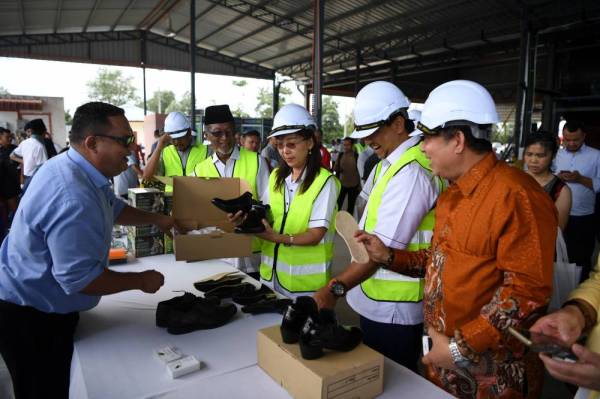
x=579, y=166
x=401, y=193
x=31, y=153
x=228, y=160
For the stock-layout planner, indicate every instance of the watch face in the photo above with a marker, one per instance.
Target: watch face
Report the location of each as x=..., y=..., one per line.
x=338, y=289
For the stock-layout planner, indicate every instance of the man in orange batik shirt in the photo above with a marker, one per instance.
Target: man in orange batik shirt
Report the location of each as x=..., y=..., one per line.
x=491, y=258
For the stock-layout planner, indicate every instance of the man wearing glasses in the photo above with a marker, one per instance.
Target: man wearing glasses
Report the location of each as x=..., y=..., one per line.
x=53, y=263
x=401, y=194
x=176, y=154
x=229, y=160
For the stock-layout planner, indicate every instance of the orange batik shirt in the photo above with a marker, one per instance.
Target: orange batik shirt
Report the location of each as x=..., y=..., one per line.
x=489, y=267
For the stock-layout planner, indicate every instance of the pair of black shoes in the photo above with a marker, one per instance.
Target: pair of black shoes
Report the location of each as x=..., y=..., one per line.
x=255, y=212
x=316, y=330
x=187, y=313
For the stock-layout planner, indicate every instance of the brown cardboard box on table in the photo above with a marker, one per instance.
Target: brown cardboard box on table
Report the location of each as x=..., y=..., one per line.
x=192, y=209
x=357, y=374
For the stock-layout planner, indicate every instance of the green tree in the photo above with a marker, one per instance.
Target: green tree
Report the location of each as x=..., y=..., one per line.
x=240, y=83
x=3, y=91
x=113, y=87
x=159, y=102
x=349, y=124
x=264, y=106
x=238, y=112
x=182, y=106
x=330, y=125
x=68, y=117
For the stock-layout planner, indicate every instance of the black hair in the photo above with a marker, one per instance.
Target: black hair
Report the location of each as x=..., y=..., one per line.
x=92, y=118
x=252, y=133
x=313, y=164
x=543, y=138
x=480, y=146
x=348, y=139
x=573, y=126
x=409, y=125
x=156, y=133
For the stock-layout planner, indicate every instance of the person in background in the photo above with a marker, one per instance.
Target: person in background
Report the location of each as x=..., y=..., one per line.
x=345, y=169
x=297, y=251
x=9, y=175
x=540, y=150
x=271, y=154
x=177, y=152
x=31, y=153
x=157, y=135
x=579, y=166
x=251, y=140
x=325, y=155
x=53, y=263
x=129, y=178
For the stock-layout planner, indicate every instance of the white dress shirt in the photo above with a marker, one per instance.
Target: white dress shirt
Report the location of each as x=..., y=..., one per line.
x=586, y=161
x=320, y=216
x=33, y=153
x=408, y=197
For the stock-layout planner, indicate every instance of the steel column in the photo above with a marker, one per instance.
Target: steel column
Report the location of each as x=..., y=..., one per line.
x=193, y=62
x=319, y=19
x=548, y=120
x=276, y=86
x=522, y=87
x=357, y=72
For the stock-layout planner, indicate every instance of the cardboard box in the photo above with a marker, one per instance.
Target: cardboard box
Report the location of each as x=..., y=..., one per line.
x=340, y=375
x=146, y=246
x=147, y=199
x=192, y=209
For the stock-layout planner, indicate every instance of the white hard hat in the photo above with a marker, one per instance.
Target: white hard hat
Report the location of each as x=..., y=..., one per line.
x=177, y=125
x=375, y=103
x=457, y=102
x=415, y=116
x=291, y=118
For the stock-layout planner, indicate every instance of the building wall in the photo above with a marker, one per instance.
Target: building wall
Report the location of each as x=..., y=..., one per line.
x=52, y=112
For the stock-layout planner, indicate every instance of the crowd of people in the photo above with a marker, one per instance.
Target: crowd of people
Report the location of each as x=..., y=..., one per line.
x=461, y=244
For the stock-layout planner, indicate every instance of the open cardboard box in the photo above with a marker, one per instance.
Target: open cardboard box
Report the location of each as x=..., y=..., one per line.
x=357, y=374
x=192, y=209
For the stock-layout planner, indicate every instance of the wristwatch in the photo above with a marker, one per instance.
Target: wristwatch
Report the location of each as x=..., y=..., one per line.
x=457, y=357
x=337, y=288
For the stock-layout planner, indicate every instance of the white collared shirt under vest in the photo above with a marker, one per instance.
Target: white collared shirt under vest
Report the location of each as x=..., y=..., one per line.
x=409, y=196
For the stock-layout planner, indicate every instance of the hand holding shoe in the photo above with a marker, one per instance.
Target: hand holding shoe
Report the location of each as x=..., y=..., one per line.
x=151, y=281
x=237, y=218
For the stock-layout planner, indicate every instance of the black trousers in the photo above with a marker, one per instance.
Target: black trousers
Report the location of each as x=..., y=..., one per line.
x=37, y=348
x=398, y=342
x=352, y=193
x=580, y=237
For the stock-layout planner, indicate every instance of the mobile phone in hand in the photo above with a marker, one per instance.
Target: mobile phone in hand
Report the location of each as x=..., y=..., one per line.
x=427, y=344
x=541, y=343
x=565, y=171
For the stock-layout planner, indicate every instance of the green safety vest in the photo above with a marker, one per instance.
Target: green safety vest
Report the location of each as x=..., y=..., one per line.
x=174, y=166
x=386, y=285
x=244, y=168
x=358, y=147
x=299, y=268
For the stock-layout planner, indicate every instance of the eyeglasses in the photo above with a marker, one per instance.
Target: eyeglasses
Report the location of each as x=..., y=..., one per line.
x=288, y=144
x=378, y=124
x=125, y=141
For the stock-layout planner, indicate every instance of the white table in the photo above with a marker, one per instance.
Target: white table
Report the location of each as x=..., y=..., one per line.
x=113, y=355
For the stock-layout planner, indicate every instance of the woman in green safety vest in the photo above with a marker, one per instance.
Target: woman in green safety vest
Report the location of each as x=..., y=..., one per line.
x=297, y=251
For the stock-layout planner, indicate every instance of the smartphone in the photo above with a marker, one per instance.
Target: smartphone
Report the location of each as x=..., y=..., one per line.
x=427, y=344
x=565, y=171
x=544, y=344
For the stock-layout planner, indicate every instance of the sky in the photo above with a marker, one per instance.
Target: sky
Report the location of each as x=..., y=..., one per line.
x=68, y=80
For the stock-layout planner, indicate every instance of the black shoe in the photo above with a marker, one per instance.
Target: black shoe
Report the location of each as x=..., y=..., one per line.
x=229, y=290
x=253, y=224
x=295, y=317
x=205, y=286
x=180, y=303
x=249, y=297
x=242, y=203
x=268, y=306
x=203, y=315
x=324, y=332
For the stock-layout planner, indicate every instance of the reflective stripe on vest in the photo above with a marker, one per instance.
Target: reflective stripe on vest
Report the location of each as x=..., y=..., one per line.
x=174, y=166
x=386, y=285
x=299, y=268
x=246, y=167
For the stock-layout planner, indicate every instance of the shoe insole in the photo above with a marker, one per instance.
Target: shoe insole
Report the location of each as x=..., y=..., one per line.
x=346, y=226
x=219, y=276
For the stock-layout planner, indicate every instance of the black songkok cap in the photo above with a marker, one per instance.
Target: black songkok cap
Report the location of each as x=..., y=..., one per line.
x=217, y=114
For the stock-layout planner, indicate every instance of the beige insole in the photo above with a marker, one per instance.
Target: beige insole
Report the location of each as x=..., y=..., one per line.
x=346, y=226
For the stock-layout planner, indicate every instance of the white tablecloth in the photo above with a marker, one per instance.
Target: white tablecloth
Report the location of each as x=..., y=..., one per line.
x=113, y=355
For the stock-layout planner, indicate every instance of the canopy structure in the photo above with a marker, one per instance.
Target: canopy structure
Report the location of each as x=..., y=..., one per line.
x=525, y=51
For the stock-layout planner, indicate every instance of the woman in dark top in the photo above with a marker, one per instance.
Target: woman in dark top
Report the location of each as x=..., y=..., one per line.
x=540, y=149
